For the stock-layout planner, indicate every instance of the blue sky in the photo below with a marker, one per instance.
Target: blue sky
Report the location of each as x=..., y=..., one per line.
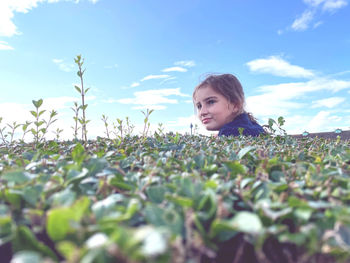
x=292, y=58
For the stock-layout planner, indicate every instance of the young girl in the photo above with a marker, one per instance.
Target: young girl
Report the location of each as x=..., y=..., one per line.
x=219, y=101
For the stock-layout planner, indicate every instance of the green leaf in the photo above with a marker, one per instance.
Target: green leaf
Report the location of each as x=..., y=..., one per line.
x=67, y=249
x=78, y=154
x=41, y=112
x=271, y=122
x=119, y=183
x=80, y=207
x=212, y=184
x=75, y=177
x=13, y=197
x=65, y=197
x=34, y=113
x=168, y=218
x=246, y=222
x=222, y=230
x=296, y=202
x=281, y=121
x=58, y=222
x=156, y=193
x=179, y=200
x=17, y=177
x=6, y=227
x=235, y=167
x=77, y=88
x=303, y=213
x=53, y=113
x=31, y=194
x=133, y=206
x=103, y=207
x=37, y=103
x=26, y=240
x=244, y=151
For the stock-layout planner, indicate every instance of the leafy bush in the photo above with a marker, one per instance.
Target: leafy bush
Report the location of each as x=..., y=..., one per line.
x=176, y=199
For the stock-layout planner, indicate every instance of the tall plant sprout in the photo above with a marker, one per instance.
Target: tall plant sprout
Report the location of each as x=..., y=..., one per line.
x=82, y=91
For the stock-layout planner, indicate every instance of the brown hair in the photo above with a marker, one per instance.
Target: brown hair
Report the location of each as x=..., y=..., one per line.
x=228, y=86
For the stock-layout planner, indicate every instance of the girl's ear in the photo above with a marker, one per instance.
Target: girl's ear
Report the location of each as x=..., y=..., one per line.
x=234, y=107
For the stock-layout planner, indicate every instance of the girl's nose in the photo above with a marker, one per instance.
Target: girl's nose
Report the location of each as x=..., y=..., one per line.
x=203, y=111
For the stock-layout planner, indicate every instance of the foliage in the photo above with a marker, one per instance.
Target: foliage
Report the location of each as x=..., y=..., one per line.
x=173, y=198
x=146, y=122
x=76, y=120
x=41, y=125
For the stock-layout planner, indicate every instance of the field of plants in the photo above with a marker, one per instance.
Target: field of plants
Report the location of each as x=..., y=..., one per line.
x=166, y=197
x=173, y=198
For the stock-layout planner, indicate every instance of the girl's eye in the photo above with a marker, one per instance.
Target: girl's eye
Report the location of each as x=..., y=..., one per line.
x=199, y=106
x=211, y=101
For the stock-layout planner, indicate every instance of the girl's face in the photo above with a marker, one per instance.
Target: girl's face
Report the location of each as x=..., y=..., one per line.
x=213, y=109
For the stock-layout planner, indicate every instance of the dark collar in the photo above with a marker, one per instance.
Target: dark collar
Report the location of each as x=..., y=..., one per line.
x=242, y=118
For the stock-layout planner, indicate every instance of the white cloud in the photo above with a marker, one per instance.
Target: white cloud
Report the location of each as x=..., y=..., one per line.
x=155, y=77
x=167, y=79
x=153, y=98
x=317, y=24
x=333, y=5
x=298, y=89
x=178, y=69
x=321, y=122
x=278, y=100
x=185, y=63
x=5, y=46
x=15, y=112
x=302, y=22
x=327, y=5
x=340, y=73
x=270, y=104
x=329, y=102
x=66, y=67
x=132, y=85
x=184, y=121
x=313, y=7
x=277, y=66
x=9, y=7
x=135, y=84
x=313, y=3
x=58, y=103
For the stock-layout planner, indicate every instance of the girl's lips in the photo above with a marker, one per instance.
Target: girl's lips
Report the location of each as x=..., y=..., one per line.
x=206, y=120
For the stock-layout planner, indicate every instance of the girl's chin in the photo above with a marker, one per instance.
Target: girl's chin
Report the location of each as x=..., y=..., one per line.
x=211, y=128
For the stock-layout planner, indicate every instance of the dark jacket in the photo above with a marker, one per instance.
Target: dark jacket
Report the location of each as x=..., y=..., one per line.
x=241, y=121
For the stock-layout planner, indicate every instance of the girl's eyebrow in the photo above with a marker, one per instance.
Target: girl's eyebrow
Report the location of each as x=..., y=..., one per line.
x=212, y=97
